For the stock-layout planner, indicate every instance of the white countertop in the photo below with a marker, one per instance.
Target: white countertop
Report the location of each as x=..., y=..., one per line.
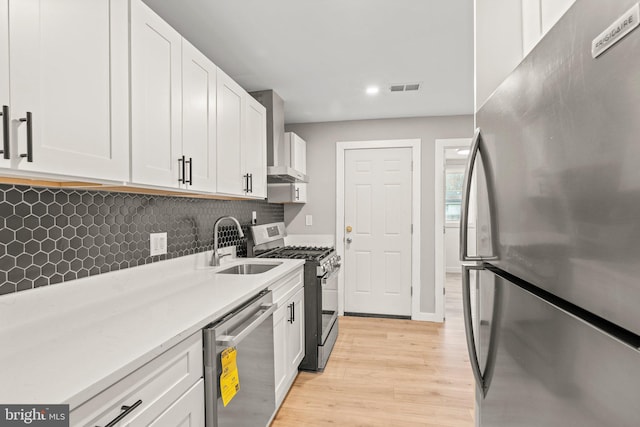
x=65, y=343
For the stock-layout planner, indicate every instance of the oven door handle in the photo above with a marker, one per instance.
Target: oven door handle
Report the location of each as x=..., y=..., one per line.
x=330, y=275
x=261, y=315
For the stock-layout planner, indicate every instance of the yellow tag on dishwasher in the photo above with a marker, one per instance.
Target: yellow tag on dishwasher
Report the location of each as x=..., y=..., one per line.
x=229, y=379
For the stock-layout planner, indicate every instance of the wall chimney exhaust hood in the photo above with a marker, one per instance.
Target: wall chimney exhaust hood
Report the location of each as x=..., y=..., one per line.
x=279, y=161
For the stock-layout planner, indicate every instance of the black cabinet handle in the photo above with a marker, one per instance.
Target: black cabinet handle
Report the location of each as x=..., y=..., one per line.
x=251, y=180
x=246, y=181
x=5, y=131
x=29, y=120
x=181, y=165
x=293, y=311
x=290, y=307
x=126, y=411
x=190, y=181
x=297, y=194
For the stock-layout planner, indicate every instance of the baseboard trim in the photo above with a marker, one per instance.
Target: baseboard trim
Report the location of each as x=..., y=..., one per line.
x=381, y=316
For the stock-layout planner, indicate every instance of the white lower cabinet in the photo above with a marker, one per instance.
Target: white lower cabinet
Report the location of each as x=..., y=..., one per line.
x=188, y=411
x=242, y=141
x=288, y=332
x=169, y=388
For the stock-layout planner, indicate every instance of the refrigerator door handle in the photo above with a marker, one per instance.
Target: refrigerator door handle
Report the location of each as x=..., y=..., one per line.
x=468, y=327
x=466, y=194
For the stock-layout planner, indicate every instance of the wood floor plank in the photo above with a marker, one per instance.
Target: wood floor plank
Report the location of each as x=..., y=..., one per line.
x=389, y=372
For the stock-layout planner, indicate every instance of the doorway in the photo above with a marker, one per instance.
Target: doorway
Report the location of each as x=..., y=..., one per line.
x=451, y=158
x=377, y=227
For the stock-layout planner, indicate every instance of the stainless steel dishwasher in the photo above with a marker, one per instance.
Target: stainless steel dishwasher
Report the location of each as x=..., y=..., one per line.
x=248, y=328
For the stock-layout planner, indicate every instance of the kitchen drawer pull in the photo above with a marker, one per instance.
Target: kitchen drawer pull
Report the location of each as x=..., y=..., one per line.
x=246, y=183
x=190, y=161
x=5, y=131
x=29, y=120
x=293, y=311
x=251, y=180
x=126, y=410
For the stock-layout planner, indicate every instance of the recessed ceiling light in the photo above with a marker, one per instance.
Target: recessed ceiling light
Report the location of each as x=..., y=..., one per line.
x=463, y=151
x=373, y=90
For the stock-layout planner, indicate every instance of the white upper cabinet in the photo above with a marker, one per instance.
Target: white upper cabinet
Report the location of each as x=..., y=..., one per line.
x=230, y=104
x=107, y=90
x=68, y=86
x=295, y=152
x=198, y=118
x=506, y=31
x=173, y=98
x=242, y=139
x=254, y=151
x=538, y=17
x=4, y=81
x=156, y=110
x=288, y=193
x=498, y=44
x=295, y=156
x=551, y=11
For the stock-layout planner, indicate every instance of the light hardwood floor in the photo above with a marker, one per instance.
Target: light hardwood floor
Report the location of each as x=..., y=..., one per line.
x=387, y=372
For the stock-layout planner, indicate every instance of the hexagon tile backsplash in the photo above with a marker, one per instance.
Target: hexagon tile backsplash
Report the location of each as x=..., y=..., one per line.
x=51, y=235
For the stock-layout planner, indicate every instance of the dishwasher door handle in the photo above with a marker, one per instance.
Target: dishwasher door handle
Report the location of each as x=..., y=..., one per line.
x=265, y=311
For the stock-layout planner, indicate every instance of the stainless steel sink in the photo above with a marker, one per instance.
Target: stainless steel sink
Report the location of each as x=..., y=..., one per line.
x=249, y=268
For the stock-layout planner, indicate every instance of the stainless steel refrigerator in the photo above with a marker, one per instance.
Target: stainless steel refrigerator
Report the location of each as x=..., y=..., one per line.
x=554, y=338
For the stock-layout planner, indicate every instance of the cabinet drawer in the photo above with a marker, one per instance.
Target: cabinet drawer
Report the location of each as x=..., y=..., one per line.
x=283, y=289
x=157, y=384
x=188, y=411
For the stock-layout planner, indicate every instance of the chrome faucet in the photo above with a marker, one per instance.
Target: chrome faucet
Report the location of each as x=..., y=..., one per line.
x=215, y=259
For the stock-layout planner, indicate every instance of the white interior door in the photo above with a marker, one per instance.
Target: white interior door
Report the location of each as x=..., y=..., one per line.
x=378, y=191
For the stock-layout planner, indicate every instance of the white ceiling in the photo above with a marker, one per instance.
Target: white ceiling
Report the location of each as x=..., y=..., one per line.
x=320, y=55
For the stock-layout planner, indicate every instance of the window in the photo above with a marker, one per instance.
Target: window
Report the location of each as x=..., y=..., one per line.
x=453, y=195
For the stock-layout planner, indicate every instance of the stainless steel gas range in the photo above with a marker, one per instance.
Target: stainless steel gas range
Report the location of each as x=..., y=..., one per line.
x=320, y=289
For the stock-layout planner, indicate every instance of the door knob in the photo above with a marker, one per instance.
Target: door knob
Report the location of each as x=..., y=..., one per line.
x=349, y=240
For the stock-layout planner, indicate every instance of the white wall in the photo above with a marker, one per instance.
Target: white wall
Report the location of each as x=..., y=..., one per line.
x=452, y=249
x=321, y=156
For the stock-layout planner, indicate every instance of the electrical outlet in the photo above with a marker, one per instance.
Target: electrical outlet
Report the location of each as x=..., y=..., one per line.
x=158, y=243
x=309, y=220
x=254, y=218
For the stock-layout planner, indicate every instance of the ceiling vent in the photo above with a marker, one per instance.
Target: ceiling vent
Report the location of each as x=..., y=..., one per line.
x=405, y=87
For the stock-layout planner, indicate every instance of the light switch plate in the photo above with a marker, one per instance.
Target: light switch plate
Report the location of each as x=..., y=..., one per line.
x=158, y=243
